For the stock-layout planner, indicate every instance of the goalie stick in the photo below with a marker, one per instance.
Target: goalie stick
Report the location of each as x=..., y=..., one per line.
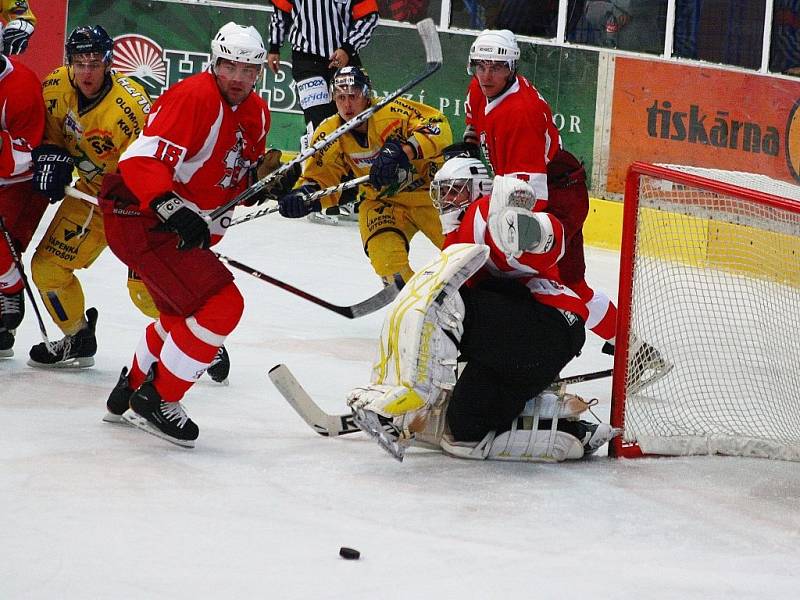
x=353, y=311
x=433, y=57
x=331, y=425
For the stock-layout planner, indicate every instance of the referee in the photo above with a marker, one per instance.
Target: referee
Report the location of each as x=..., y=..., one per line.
x=325, y=35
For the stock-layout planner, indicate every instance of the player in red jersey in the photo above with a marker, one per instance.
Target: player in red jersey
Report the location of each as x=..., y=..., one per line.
x=514, y=126
x=204, y=137
x=21, y=128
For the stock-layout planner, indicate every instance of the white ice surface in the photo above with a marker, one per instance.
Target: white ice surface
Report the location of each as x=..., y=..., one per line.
x=261, y=506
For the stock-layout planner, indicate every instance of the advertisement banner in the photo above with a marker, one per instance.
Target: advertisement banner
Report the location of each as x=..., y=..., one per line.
x=705, y=117
x=160, y=43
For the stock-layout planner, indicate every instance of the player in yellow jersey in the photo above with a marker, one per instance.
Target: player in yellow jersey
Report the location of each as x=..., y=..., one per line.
x=93, y=114
x=399, y=146
x=19, y=25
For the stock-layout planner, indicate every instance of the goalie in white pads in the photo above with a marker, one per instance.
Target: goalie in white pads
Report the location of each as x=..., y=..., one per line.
x=494, y=302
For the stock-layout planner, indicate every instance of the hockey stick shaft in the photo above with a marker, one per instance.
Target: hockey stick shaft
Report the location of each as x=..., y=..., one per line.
x=18, y=263
x=76, y=193
x=335, y=189
x=332, y=425
x=370, y=305
x=433, y=56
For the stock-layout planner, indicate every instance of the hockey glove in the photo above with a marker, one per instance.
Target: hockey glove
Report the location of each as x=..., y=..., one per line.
x=176, y=216
x=15, y=36
x=52, y=171
x=391, y=166
x=295, y=204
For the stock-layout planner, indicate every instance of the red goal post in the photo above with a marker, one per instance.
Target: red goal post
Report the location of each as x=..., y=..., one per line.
x=709, y=294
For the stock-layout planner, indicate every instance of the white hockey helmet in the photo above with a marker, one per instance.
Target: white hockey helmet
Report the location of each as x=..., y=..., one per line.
x=239, y=44
x=456, y=185
x=496, y=45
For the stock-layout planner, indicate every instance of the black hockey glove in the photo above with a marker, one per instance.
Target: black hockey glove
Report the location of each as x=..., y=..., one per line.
x=52, y=171
x=461, y=150
x=295, y=204
x=176, y=216
x=391, y=166
x=15, y=36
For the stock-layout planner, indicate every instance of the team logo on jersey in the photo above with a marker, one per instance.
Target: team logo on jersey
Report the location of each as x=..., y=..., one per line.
x=236, y=165
x=72, y=126
x=138, y=56
x=101, y=142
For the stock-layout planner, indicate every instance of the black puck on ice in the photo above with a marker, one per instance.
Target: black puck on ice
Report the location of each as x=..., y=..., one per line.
x=349, y=553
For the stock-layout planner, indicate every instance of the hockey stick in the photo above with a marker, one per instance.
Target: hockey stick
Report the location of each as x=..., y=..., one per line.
x=433, y=57
x=335, y=189
x=76, y=193
x=18, y=263
x=329, y=425
x=370, y=305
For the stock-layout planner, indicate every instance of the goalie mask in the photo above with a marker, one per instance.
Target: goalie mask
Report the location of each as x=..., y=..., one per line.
x=89, y=40
x=494, y=46
x=238, y=44
x=455, y=186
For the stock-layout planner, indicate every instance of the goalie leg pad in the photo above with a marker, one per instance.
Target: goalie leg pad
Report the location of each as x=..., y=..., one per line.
x=418, y=343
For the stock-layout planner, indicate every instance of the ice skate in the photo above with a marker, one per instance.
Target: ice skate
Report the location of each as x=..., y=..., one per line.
x=220, y=367
x=6, y=343
x=12, y=309
x=71, y=352
x=166, y=420
x=119, y=399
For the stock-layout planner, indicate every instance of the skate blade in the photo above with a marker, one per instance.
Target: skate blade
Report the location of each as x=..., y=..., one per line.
x=321, y=219
x=110, y=417
x=73, y=363
x=368, y=422
x=135, y=419
x=7, y=353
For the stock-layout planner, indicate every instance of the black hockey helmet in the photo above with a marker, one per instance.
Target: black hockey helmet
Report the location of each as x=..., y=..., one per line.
x=89, y=40
x=351, y=79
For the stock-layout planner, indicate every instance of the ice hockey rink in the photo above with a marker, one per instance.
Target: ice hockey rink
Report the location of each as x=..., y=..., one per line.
x=260, y=507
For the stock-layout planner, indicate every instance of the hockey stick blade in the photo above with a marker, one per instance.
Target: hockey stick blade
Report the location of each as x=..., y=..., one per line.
x=323, y=423
x=365, y=307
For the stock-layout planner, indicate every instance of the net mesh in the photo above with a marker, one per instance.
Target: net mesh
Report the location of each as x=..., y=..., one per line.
x=714, y=350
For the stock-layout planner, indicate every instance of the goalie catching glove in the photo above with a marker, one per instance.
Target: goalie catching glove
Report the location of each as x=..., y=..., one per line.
x=512, y=225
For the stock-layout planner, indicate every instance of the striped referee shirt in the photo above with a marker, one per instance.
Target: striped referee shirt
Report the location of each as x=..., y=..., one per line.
x=321, y=26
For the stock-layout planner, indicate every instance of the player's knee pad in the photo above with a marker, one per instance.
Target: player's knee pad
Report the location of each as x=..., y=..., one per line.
x=222, y=311
x=48, y=274
x=387, y=250
x=140, y=297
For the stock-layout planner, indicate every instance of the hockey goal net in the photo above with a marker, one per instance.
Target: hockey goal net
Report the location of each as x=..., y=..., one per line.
x=708, y=337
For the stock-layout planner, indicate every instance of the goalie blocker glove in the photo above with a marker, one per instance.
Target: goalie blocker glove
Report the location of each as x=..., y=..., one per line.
x=176, y=216
x=391, y=166
x=295, y=204
x=52, y=171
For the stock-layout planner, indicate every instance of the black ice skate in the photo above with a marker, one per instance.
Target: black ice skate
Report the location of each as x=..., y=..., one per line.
x=12, y=309
x=166, y=420
x=119, y=400
x=596, y=435
x=6, y=343
x=71, y=352
x=220, y=367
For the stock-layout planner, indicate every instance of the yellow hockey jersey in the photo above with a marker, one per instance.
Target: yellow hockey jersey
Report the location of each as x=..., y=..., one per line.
x=420, y=125
x=98, y=133
x=16, y=9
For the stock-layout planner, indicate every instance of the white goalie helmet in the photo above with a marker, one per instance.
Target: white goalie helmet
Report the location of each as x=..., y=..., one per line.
x=456, y=185
x=238, y=43
x=496, y=45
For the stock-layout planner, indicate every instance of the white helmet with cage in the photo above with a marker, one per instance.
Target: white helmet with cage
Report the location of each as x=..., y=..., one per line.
x=456, y=185
x=495, y=45
x=238, y=43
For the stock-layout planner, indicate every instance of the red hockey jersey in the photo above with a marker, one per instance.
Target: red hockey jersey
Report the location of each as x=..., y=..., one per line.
x=516, y=131
x=538, y=272
x=21, y=120
x=198, y=146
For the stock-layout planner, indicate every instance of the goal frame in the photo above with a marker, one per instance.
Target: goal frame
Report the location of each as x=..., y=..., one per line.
x=618, y=447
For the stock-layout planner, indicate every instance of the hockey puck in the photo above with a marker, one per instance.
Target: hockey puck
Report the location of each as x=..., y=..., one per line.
x=349, y=553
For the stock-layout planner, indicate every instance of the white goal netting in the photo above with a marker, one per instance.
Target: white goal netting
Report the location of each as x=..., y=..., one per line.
x=716, y=292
